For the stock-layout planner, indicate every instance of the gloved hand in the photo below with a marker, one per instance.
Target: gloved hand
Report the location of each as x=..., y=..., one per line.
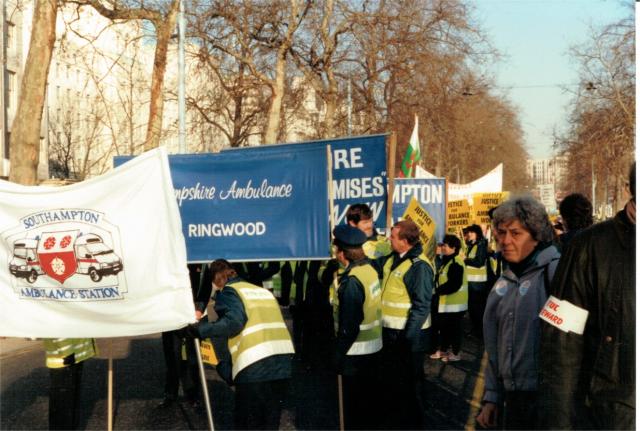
x=190, y=331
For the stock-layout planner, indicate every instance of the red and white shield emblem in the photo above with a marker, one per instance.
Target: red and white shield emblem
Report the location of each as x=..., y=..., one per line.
x=57, y=255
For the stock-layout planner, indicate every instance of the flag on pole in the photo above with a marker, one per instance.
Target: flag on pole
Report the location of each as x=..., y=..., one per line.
x=412, y=156
x=102, y=258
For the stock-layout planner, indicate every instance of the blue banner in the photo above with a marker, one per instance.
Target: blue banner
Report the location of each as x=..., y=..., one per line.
x=359, y=172
x=244, y=206
x=430, y=193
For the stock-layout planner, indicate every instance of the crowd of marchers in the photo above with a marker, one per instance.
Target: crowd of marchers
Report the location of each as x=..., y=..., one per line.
x=381, y=305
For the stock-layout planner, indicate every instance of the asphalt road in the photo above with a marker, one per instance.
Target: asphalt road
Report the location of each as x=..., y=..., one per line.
x=139, y=380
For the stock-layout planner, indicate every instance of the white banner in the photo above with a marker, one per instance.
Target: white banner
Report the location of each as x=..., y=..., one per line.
x=102, y=258
x=489, y=183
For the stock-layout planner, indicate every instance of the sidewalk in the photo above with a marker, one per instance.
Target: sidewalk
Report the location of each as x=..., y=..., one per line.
x=15, y=345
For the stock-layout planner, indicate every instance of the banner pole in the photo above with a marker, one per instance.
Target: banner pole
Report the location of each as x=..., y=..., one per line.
x=110, y=388
x=335, y=278
x=391, y=175
x=203, y=382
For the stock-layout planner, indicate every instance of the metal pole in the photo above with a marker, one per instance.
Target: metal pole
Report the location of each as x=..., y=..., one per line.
x=181, y=79
x=593, y=187
x=203, y=381
x=110, y=388
x=349, y=108
x=332, y=224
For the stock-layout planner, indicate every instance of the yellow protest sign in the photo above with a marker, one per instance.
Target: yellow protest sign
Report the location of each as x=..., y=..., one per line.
x=458, y=215
x=207, y=353
x=483, y=202
x=426, y=224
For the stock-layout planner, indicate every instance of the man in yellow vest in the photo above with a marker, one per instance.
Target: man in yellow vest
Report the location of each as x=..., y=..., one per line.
x=65, y=359
x=358, y=320
x=253, y=345
x=407, y=286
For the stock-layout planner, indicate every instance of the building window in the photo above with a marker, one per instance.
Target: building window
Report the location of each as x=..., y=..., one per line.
x=11, y=36
x=11, y=90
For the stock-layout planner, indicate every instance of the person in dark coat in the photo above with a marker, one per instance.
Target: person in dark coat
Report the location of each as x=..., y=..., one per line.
x=577, y=214
x=258, y=365
x=511, y=325
x=407, y=285
x=588, y=378
x=178, y=369
x=476, y=263
x=452, y=301
x=357, y=316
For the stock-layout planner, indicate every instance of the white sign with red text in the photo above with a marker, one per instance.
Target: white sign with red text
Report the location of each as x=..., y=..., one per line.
x=564, y=315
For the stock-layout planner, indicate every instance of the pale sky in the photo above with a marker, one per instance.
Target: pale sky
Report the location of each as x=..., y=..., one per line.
x=535, y=37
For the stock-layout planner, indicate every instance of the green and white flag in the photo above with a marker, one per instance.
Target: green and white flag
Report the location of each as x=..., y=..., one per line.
x=412, y=156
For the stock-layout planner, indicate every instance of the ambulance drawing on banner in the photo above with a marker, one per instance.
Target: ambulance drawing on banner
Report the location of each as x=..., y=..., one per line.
x=62, y=254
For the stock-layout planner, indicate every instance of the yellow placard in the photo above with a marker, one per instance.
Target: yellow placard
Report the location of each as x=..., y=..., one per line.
x=483, y=202
x=207, y=353
x=458, y=215
x=426, y=224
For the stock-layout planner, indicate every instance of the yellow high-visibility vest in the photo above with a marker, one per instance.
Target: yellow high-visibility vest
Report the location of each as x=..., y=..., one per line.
x=57, y=349
x=265, y=333
x=457, y=301
x=378, y=247
x=369, y=339
x=396, y=302
x=474, y=273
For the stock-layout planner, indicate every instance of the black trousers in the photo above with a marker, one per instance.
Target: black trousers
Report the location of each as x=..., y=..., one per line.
x=258, y=405
x=178, y=370
x=450, y=330
x=521, y=410
x=362, y=405
x=403, y=376
x=64, y=397
x=477, y=302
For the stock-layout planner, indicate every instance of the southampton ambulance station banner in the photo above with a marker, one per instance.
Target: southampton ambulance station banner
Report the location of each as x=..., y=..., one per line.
x=101, y=258
x=246, y=205
x=430, y=194
x=359, y=172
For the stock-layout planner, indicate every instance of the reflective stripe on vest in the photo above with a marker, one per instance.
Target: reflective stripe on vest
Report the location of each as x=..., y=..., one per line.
x=395, y=299
x=377, y=247
x=57, y=349
x=369, y=339
x=265, y=333
x=476, y=274
x=456, y=301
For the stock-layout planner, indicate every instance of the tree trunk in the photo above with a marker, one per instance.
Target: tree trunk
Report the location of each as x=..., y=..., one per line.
x=164, y=29
x=25, y=132
x=277, y=95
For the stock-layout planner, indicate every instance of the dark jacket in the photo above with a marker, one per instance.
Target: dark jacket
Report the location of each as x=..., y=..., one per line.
x=589, y=380
x=478, y=261
x=512, y=327
x=419, y=281
x=200, y=277
x=351, y=298
x=231, y=320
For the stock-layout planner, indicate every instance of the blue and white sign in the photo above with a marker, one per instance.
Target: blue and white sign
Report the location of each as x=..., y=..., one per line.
x=247, y=205
x=359, y=172
x=430, y=193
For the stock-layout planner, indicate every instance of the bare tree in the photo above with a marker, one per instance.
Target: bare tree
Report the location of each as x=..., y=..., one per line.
x=25, y=131
x=75, y=147
x=600, y=140
x=163, y=17
x=258, y=35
